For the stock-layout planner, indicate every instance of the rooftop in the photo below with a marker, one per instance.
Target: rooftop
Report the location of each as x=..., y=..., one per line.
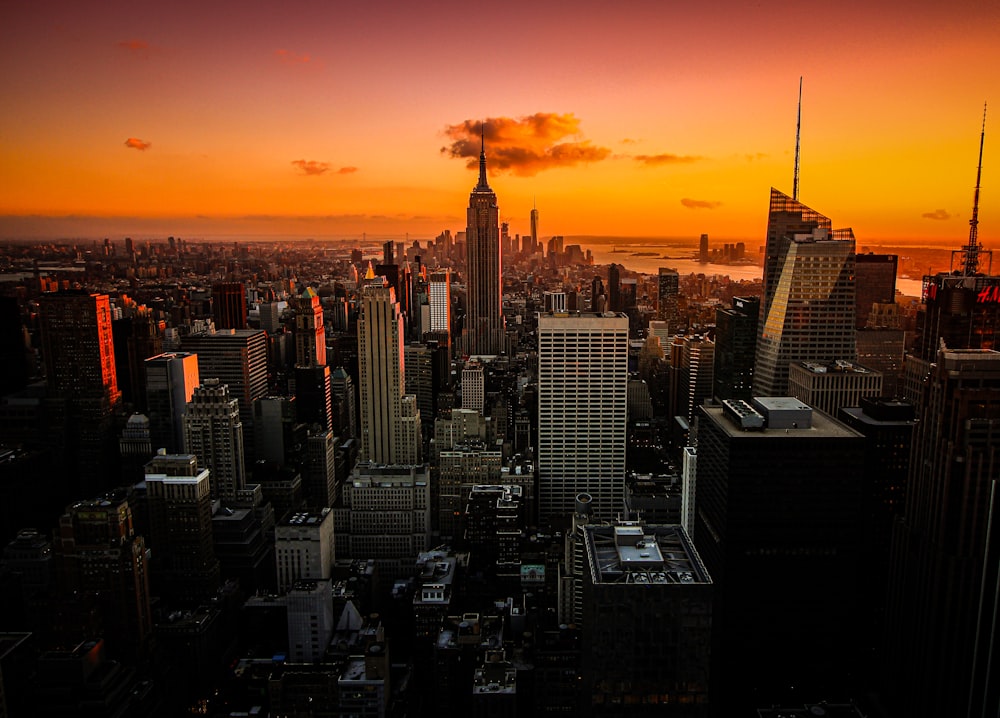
x=631, y=552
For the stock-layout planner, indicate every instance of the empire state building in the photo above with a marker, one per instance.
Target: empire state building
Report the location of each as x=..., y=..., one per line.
x=484, y=327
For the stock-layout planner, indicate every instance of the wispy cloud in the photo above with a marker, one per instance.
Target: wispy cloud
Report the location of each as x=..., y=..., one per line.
x=287, y=57
x=524, y=145
x=311, y=167
x=347, y=170
x=700, y=203
x=665, y=159
x=134, y=143
x=937, y=214
x=630, y=141
x=751, y=157
x=134, y=47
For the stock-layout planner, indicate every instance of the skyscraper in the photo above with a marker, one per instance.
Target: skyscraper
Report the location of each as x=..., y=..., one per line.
x=808, y=309
x=387, y=414
x=668, y=288
x=78, y=351
x=214, y=433
x=735, y=348
x=944, y=591
x=170, y=380
x=485, y=325
x=582, y=400
x=310, y=337
x=534, y=229
x=875, y=283
x=229, y=305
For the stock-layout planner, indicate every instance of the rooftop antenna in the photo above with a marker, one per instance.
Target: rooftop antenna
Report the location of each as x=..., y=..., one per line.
x=973, y=250
x=798, y=133
x=482, y=157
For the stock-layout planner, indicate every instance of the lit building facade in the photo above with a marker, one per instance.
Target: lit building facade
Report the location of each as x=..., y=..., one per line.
x=484, y=320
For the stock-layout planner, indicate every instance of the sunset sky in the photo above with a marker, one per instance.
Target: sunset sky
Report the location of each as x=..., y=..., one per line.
x=323, y=119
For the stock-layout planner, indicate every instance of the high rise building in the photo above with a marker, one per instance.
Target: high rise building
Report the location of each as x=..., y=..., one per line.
x=238, y=359
x=703, y=248
x=179, y=506
x=809, y=305
x=314, y=395
x=697, y=367
x=102, y=559
x=387, y=414
x=668, y=287
x=943, y=638
x=229, y=305
x=736, y=348
x=582, y=400
x=534, y=230
x=342, y=387
x=474, y=386
x=439, y=298
x=614, y=288
x=647, y=603
x=304, y=547
x=78, y=352
x=875, y=283
x=828, y=386
x=170, y=381
x=310, y=336
x=484, y=320
x=779, y=515
x=214, y=433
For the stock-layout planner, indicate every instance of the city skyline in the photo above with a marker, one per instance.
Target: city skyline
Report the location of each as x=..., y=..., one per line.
x=653, y=121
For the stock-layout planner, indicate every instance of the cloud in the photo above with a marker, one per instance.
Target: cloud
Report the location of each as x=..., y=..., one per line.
x=287, y=57
x=700, y=203
x=630, y=141
x=937, y=214
x=755, y=156
x=524, y=146
x=311, y=167
x=135, y=47
x=134, y=143
x=347, y=170
x=665, y=159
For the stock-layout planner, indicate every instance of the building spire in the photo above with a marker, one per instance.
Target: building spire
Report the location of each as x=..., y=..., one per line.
x=483, y=184
x=798, y=133
x=973, y=249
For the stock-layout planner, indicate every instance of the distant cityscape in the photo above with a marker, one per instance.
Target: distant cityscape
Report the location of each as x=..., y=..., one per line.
x=492, y=474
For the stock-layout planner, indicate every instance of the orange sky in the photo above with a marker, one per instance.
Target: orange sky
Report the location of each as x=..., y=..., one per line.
x=649, y=119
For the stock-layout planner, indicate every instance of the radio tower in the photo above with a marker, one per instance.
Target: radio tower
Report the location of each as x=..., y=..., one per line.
x=798, y=132
x=974, y=248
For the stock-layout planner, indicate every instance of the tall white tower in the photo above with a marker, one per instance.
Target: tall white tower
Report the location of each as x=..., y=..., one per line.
x=389, y=419
x=582, y=406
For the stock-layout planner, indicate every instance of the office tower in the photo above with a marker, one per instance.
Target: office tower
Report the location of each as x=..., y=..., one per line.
x=697, y=366
x=13, y=348
x=668, y=287
x=875, y=282
x=881, y=347
x=473, y=386
x=78, y=352
x=179, y=507
x=238, y=359
x=135, y=448
x=314, y=395
x=736, y=348
x=703, y=249
x=387, y=414
x=214, y=433
x=828, y=386
x=786, y=217
x=385, y=515
x=534, y=230
x=439, y=298
x=422, y=380
x=614, y=288
x=598, y=302
x=320, y=481
x=136, y=338
x=485, y=325
x=102, y=561
x=582, y=395
x=311, y=620
x=460, y=467
x=310, y=336
x=304, y=547
x=942, y=631
x=888, y=427
x=810, y=314
x=275, y=428
x=229, y=305
x=779, y=519
x=270, y=316
x=170, y=381
x=342, y=387
x=647, y=603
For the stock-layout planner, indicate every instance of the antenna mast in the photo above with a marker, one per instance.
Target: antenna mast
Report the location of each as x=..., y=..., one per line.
x=974, y=248
x=798, y=133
